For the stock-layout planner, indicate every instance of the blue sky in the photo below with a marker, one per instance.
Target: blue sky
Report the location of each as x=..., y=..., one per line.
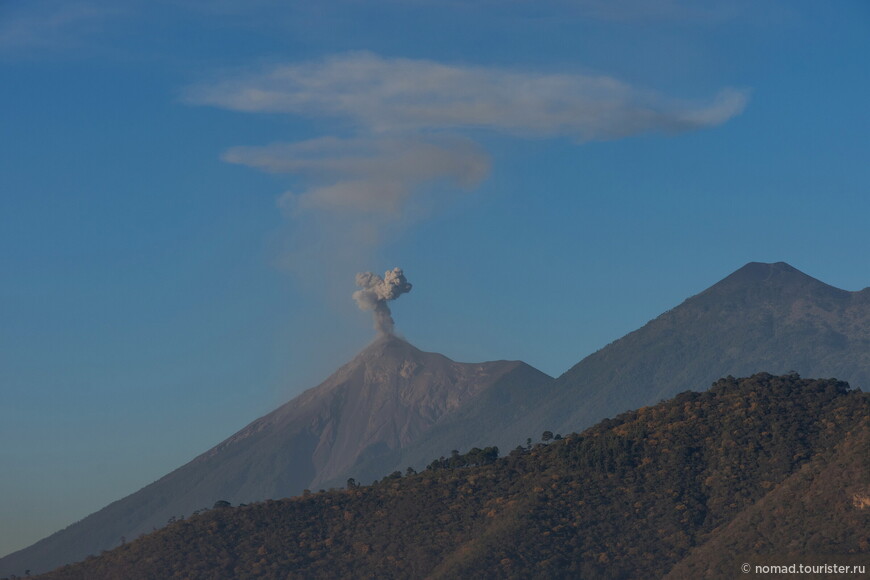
x=188, y=188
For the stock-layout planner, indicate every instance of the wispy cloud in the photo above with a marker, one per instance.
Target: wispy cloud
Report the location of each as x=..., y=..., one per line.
x=51, y=24
x=384, y=95
x=694, y=11
x=372, y=175
x=403, y=127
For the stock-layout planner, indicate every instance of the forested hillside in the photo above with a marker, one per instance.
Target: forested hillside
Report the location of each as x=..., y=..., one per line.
x=631, y=497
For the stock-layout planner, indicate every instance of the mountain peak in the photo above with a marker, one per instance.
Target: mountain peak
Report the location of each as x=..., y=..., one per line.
x=755, y=272
x=762, y=270
x=388, y=341
x=778, y=277
x=388, y=346
x=768, y=267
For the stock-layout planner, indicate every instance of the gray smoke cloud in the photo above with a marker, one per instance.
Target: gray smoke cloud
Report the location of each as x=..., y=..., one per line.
x=374, y=293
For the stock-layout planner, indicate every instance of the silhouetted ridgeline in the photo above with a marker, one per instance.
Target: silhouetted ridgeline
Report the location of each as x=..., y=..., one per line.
x=752, y=468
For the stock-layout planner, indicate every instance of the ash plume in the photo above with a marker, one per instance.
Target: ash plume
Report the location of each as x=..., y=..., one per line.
x=376, y=291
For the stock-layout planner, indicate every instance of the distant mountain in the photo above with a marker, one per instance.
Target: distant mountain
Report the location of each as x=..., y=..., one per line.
x=763, y=317
x=386, y=398
x=689, y=488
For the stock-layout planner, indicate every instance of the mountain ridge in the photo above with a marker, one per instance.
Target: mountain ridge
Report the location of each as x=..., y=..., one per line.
x=769, y=317
x=637, y=495
x=762, y=317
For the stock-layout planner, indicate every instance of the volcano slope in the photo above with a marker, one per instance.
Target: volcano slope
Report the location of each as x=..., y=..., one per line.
x=386, y=398
x=637, y=496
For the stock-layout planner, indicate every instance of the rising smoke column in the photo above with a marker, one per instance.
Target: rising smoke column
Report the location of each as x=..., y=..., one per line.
x=374, y=293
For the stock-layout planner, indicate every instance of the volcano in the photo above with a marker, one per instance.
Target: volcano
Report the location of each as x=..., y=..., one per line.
x=389, y=396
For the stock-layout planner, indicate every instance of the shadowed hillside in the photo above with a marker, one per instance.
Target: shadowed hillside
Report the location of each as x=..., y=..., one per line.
x=632, y=497
x=821, y=510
